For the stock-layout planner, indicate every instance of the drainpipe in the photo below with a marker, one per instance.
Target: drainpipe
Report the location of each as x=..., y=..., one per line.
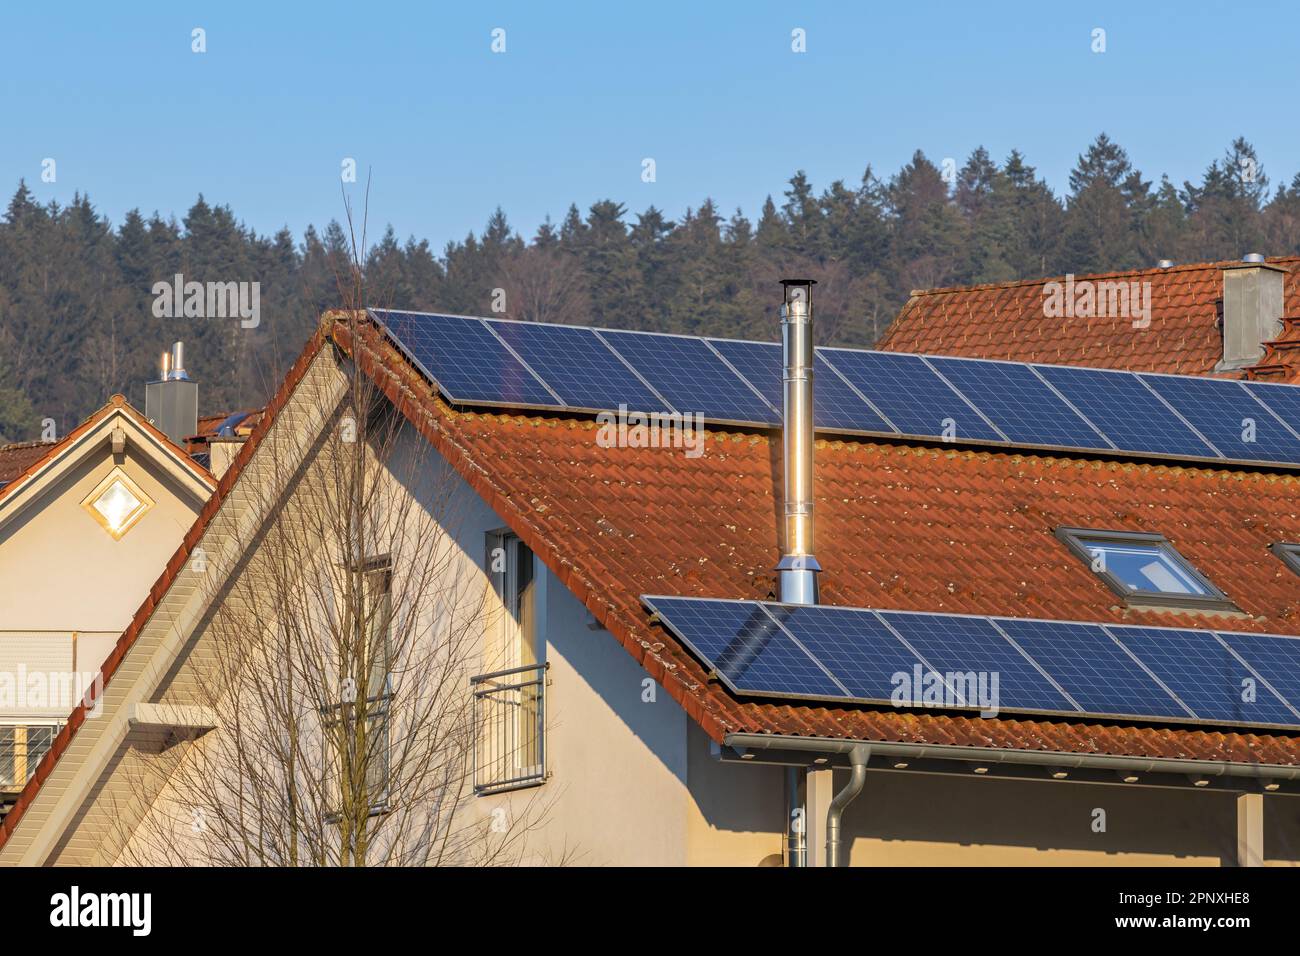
x=858, y=757
x=796, y=827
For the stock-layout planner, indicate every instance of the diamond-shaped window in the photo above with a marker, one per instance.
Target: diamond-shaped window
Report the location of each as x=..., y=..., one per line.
x=117, y=503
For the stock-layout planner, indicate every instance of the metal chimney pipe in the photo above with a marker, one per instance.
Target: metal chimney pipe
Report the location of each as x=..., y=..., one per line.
x=798, y=569
x=178, y=372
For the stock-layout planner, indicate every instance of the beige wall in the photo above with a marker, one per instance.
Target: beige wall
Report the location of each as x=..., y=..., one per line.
x=903, y=819
x=68, y=588
x=61, y=571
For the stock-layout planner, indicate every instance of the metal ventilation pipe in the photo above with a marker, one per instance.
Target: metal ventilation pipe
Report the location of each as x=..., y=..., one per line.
x=178, y=372
x=798, y=569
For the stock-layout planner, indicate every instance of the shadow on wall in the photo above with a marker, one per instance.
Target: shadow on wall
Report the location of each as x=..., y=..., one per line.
x=969, y=821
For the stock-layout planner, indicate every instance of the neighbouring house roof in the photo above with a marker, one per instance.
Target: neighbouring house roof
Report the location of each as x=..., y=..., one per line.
x=19, y=463
x=237, y=424
x=15, y=459
x=1007, y=321
x=903, y=524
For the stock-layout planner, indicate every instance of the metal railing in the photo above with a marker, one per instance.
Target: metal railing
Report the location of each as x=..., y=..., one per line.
x=21, y=748
x=510, y=721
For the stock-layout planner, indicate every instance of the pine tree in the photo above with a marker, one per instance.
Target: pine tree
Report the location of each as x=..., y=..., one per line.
x=1101, y=227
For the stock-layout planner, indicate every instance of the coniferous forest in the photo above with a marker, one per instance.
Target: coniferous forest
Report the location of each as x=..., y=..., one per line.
x=77, y=323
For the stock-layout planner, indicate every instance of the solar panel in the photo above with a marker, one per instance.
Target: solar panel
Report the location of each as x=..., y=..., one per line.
x=746, y=647
x=468, y=362
x=965, y=645
x=1017, y=401
x=853, y=645
x=1227, y=415
x=1092, y=668
x=1204, y=675
x=834, y=403
x=1054, y=667
x=578, y=366
x=503, y=363
x=1126, y=410
x=1284, y=400
x=1276, y=659
x=911, y=395
x=689, y=374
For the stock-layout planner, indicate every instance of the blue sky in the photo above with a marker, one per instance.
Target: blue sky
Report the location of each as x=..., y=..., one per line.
x=584, y=92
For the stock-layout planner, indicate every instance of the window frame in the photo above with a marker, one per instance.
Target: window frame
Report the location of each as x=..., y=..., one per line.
x=146, y=503
x=21, y=760
x=514, y=646
x=516, y=639
x=335, y=718
x=1078, y=539
x=1288, y=552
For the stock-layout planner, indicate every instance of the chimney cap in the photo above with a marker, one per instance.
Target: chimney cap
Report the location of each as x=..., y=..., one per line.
x=1260, y=263
x=1165, y=264
x=790, y=282
x=1253, y=257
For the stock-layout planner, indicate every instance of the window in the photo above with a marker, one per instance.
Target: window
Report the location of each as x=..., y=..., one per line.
x=359, y=725
x=1289, y=553
x=509, y=701
x=117, y=503
x=512, y=568
x=21, y=749
x=1144, y=568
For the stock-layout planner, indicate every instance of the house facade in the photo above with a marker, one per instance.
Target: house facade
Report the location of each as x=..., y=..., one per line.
x=85, y=524
x=587, y=727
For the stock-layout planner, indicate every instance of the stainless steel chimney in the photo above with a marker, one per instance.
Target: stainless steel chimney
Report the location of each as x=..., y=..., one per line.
x=177, y=371
x=798, y=569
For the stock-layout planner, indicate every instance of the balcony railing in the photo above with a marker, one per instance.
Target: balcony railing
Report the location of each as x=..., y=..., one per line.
x=510, y=720
x=21, y=748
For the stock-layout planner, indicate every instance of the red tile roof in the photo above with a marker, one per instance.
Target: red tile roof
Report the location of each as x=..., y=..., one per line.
x=902, y=526
x=19, y=463
x=17, y=458
x=208, y=425
x=1007, y=321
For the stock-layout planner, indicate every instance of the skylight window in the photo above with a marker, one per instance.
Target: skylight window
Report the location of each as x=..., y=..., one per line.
x=1143, y=568
x=1289, y=553
x=117, y=503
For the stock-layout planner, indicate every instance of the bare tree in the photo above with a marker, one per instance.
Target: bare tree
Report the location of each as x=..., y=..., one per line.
x=336, y=660
x=544, y=285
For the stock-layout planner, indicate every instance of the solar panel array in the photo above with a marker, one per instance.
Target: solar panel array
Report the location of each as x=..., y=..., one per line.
x=503, y=363
x=990, y=664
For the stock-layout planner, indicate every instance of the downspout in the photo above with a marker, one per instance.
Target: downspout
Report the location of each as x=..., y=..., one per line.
x=858, y=757
x=796, y=827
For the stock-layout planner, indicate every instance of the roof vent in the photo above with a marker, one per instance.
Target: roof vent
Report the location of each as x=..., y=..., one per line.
x=1165, y=264
x=1253, y=257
